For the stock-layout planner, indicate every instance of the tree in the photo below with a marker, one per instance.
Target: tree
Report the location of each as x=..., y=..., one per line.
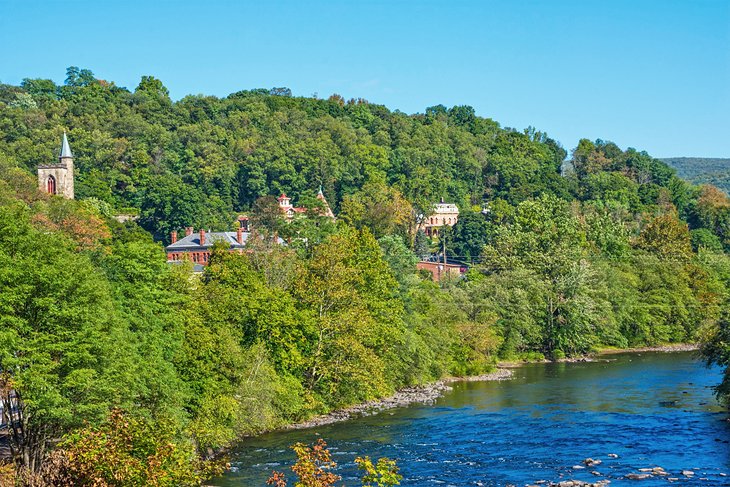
x=57, y=330
x=666, y=236
x=469, y=236
x=266, y=216
x=381, y=208
x=42, y=89
x=350, y=295
x=400, y=258
x=153, y=87
x=76, y=77
x=421, y=245
x=168, y=204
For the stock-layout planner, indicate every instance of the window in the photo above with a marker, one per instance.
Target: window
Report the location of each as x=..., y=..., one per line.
x=51, y=185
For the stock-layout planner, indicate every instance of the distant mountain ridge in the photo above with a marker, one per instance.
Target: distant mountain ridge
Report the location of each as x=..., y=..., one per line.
x=703, y=170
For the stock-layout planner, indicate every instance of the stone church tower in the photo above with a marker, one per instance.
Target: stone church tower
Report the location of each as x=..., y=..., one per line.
x=59, y=178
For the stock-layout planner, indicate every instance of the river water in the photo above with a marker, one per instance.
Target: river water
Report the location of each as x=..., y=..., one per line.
x=651, y=409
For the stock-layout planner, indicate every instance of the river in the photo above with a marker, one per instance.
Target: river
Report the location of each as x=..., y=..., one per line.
x=650, y=409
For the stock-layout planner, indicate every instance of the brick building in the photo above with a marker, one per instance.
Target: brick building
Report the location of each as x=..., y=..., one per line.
x=197, y=246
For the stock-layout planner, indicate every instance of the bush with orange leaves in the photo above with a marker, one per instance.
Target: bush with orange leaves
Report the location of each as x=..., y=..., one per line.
x=128, y=451
x=314, y=466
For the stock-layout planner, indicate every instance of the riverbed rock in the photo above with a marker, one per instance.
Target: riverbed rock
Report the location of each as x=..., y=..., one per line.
x=638, y=476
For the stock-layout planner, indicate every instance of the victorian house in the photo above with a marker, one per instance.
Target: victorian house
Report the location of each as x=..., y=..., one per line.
x=444, y=214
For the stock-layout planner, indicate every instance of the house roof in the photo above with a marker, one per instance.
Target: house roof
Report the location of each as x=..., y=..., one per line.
x=445, y=208
x=192, y=242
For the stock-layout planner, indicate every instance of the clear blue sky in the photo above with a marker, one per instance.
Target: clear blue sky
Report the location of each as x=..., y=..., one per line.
x=654, y=75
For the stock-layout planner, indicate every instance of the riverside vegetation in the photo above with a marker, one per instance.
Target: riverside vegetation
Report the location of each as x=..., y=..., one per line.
x=127, y=371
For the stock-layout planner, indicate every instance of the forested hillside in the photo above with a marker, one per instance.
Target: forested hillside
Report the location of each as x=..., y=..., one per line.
x=702, y=170
x=615, y=251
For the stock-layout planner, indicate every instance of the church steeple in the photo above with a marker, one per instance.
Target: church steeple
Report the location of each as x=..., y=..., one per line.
x=58, y=178
x=65, y=149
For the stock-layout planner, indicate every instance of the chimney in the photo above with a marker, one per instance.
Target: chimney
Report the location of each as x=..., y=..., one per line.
x=243, y=222
x=239, y=235
x=202, y=237
x=173, y=236
x=188, y=231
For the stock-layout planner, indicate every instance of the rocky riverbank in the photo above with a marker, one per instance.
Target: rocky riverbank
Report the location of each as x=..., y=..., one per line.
x=426, y=394
x=677, y=347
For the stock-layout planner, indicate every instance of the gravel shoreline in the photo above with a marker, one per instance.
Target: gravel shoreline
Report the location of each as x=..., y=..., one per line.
x=425, y=394
x=679, y=347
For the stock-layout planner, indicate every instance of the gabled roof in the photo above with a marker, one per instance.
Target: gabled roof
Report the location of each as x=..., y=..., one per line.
x=65, y=148
x=193, y=241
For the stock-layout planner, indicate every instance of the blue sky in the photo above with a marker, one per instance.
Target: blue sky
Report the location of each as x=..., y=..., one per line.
x=654, y=75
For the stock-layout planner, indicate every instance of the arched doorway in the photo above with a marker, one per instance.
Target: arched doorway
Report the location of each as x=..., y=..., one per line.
x=51, y=185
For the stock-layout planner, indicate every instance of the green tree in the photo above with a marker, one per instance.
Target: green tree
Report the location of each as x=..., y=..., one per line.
x=57, y=331
x=469, y=236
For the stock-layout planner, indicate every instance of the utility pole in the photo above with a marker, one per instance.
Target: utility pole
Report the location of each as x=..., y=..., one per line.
x=444, y=242
x=445, y=271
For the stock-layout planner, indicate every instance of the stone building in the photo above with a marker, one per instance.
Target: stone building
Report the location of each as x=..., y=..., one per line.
x=58, y=178
x=444, y=214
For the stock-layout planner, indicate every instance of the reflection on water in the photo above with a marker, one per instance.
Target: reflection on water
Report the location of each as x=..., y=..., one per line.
x=651, y=409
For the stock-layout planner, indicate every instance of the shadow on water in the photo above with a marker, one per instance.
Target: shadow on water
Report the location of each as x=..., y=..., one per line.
x=650, y=409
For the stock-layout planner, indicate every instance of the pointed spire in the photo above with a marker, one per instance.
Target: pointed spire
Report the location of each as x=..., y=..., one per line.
x=327, y=210
x=65, y=148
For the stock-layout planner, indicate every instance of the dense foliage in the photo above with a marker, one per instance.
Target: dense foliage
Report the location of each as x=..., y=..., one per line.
x=606, y=248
